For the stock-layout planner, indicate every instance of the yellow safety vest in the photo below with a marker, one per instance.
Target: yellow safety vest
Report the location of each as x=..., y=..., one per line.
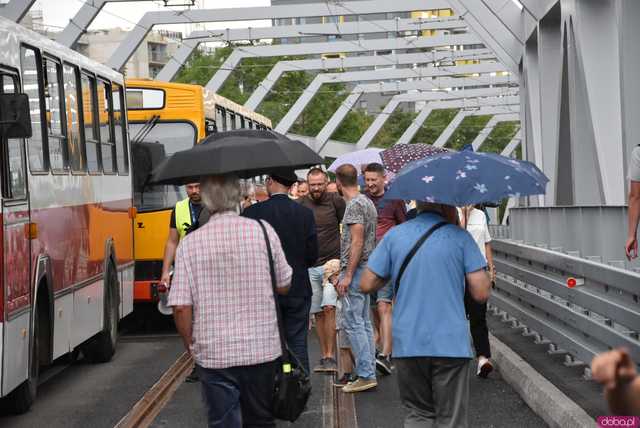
x=183, y=215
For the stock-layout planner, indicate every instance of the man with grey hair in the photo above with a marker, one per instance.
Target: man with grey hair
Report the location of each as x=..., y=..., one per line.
x=224, y=307
x=428, y=259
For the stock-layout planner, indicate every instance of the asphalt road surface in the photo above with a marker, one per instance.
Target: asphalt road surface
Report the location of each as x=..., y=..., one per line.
x=98, y=395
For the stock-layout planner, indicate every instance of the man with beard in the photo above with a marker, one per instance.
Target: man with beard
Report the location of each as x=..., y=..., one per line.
x=390, y=214
x=328, y=210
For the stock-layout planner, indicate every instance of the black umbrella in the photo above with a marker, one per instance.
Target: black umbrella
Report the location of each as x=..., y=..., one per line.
x=246, y=152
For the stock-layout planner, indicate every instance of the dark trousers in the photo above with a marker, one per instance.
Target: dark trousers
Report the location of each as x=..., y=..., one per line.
x=477, y=313
x=239, y=396
x=295, y=318
x=434, y=391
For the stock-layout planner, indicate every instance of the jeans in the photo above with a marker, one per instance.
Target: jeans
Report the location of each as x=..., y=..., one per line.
x=357, y=325
x=434, y=390
x=295, y=318
x=315, y=277
x=239, y=396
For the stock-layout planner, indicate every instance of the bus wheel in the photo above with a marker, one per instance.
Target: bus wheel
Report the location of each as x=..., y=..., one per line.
x=102, y=347
x=21, y=398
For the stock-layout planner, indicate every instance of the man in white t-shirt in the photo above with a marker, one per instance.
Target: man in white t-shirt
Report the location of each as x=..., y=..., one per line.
x=475, y=222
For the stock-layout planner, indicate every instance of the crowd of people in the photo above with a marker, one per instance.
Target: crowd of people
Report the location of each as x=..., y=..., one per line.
x=389, y=292
x=337, y=248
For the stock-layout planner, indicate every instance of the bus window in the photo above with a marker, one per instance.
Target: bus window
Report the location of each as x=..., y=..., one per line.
x=16, y=179
x=145, y=99
x=162, y=140
x=54, y=106
x=31, y=87
x=90, y=123
x=221, y=120
x=76, y=155
x=118, y=120
x=107, y=145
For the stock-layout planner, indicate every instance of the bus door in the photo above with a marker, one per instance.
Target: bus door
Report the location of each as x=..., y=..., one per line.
x=17, y=232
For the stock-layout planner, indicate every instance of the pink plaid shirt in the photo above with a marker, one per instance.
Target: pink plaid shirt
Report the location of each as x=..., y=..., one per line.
x=222, y=270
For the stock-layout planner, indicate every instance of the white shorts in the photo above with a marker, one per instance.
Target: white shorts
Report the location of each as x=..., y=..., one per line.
x=329, y=296
x=315, y=277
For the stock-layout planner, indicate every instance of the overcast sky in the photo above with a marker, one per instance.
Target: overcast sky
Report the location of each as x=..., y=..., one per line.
x=58, y=12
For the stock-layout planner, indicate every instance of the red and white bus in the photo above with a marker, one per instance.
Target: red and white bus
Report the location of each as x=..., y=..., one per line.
x=66, y=271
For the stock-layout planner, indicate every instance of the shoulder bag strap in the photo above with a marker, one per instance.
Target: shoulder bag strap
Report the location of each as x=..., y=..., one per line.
x=413, y=252
x=272, y=271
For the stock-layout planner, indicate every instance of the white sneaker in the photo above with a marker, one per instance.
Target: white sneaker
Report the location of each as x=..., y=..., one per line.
x=484, y=367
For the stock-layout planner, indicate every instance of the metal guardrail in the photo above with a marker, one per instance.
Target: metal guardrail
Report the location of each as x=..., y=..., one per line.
x=596, y=232
x=601, y=311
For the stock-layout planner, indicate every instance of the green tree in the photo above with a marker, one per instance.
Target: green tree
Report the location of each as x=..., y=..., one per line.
x=500, y=136
x=321, y=107
x=200, y=67
x=468, y=130
x=433, y=126
x=393, y=128
x=353, y=126
x=283, y=95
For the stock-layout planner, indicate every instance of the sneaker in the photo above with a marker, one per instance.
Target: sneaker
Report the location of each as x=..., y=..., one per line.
x=193, y=376
x=484, y=367
x=321, y=366
x=330, y=365
x=360, y=384
x=344, y=380
x=383, y=364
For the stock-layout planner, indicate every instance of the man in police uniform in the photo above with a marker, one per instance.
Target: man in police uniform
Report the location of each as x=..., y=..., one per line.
x=184, y=218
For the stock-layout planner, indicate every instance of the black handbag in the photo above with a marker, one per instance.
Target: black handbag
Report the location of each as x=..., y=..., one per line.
x=292, y=386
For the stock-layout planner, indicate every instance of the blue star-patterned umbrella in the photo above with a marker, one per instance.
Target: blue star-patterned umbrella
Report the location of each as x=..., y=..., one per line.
x=466, y=178
x=400, y=155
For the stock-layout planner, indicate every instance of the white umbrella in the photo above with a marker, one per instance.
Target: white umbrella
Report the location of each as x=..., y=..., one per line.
x=357, y=159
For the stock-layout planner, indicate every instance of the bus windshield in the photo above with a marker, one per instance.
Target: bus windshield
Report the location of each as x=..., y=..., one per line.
x=158, y=141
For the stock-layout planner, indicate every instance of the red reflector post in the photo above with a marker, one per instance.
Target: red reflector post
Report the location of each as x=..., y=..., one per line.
x=573, y=282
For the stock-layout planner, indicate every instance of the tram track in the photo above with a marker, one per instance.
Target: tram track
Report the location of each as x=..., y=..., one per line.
x=152, y=402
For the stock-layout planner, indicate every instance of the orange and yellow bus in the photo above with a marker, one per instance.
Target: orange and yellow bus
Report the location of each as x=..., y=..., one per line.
x=165, y=118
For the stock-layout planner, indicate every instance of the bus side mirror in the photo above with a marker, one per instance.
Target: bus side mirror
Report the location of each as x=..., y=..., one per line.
x=15, y=116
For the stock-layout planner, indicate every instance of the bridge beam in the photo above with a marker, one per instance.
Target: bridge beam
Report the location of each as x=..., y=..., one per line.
x=513, y=144
x=15, y=10
x=229, y=65
x=405, y=73
x=78, y=25
x=437, y=100
x=354, y=62
x=506, y=50
x=493, y=122
x=194, y=16
x=189, y=44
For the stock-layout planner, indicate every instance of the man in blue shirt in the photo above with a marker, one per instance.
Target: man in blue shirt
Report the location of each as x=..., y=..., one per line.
x=431, y=338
